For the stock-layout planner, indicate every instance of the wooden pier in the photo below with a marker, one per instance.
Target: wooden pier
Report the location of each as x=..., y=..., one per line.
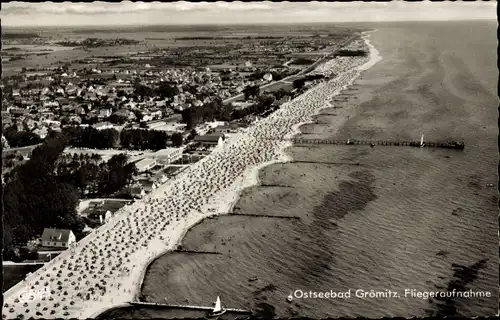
x=332, y=163
x=189, y=307
x=459, y=145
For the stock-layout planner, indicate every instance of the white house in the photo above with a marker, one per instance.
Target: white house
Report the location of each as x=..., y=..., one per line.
x=103, y=125
x=105, y=113
x=57, y=238
x=50, y=104
x=41, y=132
x=156, y=114
x=168, y=155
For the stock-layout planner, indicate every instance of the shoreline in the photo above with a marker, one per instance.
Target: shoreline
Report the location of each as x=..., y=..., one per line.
x=250, y=177
x=219, y=197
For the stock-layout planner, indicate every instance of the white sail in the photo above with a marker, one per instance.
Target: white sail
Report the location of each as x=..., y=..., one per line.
x=218, y=306
x=422, y=140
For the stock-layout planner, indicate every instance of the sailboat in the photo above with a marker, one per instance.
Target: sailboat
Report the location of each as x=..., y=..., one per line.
x=218, y=310
x=422, y=141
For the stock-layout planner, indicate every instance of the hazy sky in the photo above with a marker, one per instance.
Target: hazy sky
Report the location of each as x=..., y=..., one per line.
x=157, y=13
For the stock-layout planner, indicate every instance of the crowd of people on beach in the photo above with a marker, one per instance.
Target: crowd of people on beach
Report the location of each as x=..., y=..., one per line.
x=104, y=270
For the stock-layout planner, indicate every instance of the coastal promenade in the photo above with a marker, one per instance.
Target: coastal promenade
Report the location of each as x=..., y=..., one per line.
x=106, y=268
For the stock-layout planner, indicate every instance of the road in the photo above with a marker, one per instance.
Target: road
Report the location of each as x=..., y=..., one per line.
x=10, y=263
x=291, y=78
x=25, y=151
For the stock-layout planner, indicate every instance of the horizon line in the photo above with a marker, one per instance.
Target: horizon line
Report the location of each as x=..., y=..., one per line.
x=235, y=24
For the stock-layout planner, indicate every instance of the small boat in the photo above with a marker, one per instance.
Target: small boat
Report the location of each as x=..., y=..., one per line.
x=422, y=141
x=218, y=310
x=252, y=279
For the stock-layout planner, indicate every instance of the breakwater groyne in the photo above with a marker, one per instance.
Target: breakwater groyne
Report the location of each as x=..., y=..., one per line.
x=264, y=216
x=196, y=252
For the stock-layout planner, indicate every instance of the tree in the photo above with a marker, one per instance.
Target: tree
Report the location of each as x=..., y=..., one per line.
x=257, y=75
x=20, y=138
x=277, y=76
x=142, y=90
x=118, y=119
x=299, y=83
x=91, y=138
x=65, y=121
x=165, y=90
x=138, y=114
x=225, y=114
x=266, y=100
x=177, y=139
x=192, y=134
x=255, y=91
x=118, y=175
x=27, y=210
x=280, y=93
x=251, y=91
x=188, y=117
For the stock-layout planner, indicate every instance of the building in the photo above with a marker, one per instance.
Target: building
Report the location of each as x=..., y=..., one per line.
x=147, y=185
x=229, y=128
x=210, y=139
x=137, y=192
x=57, y=238
x=145, y=164
x=17, y=112
x=168, y=155
x=41, y=132
x=103, y=125
x=105, y=113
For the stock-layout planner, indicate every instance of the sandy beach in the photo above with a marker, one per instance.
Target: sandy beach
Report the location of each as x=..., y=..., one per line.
x=106, y=269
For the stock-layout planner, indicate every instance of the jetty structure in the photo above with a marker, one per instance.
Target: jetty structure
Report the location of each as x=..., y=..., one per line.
x=212, y=311
x=459, y=145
